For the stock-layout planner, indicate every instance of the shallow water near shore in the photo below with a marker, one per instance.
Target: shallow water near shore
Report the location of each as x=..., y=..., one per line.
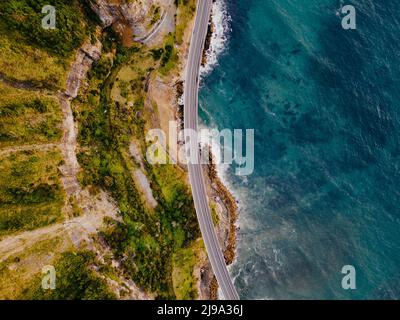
x=324, y=103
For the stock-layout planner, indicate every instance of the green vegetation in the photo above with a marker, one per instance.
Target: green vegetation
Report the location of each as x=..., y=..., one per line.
x=26, y=117
x=37, y=56
x=184, y=262
x=146, y=241
x=28, y=264
x=169, y=58
x=155, y=13
x=168, y=53
x=75, y=280
x=30, y=192
x=186, y=10
x=214, y=214
x=22, y=20
x=32, y=66
x=155, y=246
x=77, y=211
x=157, y=53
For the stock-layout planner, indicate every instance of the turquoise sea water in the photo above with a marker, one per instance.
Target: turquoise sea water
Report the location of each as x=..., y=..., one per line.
x=324, y=103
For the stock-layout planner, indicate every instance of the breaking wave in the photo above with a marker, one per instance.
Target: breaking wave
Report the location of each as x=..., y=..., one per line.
x=220, y=19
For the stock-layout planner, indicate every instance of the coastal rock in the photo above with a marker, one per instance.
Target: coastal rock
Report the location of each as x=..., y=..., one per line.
x=105, y=11
x=92, y=51
x=135, y=16
x=83, y=61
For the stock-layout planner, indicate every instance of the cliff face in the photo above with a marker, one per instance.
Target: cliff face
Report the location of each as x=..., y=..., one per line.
x=85, y=56
x=107, y=12
x=129, y=19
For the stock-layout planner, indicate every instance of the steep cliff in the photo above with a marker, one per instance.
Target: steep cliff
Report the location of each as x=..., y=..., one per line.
x=131, y=19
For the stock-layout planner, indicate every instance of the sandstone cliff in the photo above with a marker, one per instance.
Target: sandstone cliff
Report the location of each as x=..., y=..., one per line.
x=131, y=19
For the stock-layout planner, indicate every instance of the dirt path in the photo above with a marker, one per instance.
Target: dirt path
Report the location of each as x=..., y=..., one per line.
x=79, y=229
x=71, y=167
x=34, y=147
x=21, y=84
x=84, y=59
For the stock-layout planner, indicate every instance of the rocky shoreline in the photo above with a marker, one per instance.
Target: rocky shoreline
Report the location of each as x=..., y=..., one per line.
x=227, y=216
x=228, y=213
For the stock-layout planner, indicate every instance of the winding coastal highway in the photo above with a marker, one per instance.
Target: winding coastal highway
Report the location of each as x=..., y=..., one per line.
x=195, y=171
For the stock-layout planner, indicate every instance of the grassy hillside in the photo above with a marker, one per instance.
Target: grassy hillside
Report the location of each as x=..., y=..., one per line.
x=75, y=280
x=34, y=63
x=37, y=56
x=31, y=194
x=154, y=245
x=27, y=117
x=109, y=116
x=22, y=20
x=18, y=270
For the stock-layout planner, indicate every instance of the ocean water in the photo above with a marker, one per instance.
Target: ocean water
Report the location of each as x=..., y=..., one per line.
x=324, y=103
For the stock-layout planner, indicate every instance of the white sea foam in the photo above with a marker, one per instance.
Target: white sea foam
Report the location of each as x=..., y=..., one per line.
x=221, y=21
x=223, y=168
x=216, y=150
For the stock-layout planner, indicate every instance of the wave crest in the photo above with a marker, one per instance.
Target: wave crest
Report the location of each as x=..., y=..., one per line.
x=220, y=20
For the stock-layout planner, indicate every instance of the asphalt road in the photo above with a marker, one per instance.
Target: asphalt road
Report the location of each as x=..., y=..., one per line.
x=195, y=171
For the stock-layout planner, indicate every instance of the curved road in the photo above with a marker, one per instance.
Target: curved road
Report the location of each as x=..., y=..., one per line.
x=195, y=171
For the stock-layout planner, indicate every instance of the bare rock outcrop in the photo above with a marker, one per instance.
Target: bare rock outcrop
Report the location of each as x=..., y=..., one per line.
x=85, y=56
x=129, y=19
x=83, y=61
x=107, y=12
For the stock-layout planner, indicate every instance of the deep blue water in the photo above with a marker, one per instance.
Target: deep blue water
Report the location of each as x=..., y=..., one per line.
x=324, y=103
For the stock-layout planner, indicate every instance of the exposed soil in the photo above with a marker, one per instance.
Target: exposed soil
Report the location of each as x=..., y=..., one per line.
x=79, y=229
x=29, y=147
